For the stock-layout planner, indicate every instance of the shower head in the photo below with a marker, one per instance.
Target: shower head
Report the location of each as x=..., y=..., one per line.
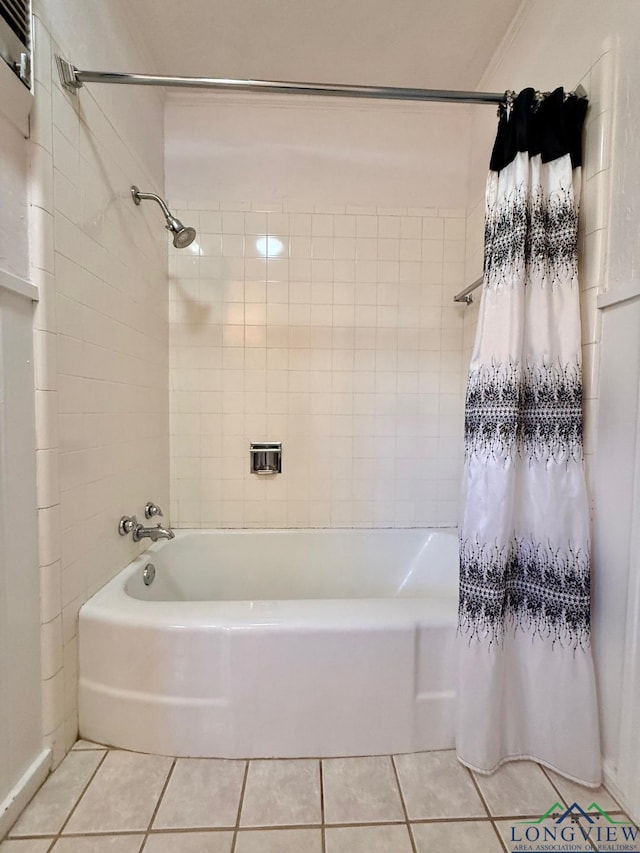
x=183, y=235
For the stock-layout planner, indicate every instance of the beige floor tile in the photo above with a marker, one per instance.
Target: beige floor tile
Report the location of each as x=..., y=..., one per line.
x=282, y=792
x=279, y=841
x=517, y=788
x=31, y=845
x=584, y=797
x=368, y=839
x=189, y=842
x=99, y=844
x=48, y=810
x=436, y=785
x=122, y=795
x=469, y=837
x=202, y=792
x=361, y=790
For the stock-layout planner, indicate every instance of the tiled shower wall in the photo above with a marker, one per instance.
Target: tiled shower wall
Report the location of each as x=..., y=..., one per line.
x=343, y=343
x=100, y=339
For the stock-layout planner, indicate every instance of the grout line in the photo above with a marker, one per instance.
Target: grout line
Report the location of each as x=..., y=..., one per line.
x=322, y=826
x=104, y=833
x=501, y=840
x=404, y=805
x=157, y=805
x=84, y=791
x=322, y=831
x=187, y=830
x=480, y=794
x=492, y=818
x=240, y=804
x=561, y=796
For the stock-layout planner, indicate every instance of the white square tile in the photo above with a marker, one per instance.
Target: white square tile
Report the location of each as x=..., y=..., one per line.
x=468, y=837
x=201, y=793
x=517, y=788
x=281, y=792
x=368, y=839
x=367, y=226
x=411, y=227
x=279, y=841
x=122, y=795
x=322, y=225
x=51, y=806
x=344, y=226
x=359, y=790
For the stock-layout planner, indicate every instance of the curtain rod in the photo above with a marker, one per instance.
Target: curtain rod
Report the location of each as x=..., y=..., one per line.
x=73, y=78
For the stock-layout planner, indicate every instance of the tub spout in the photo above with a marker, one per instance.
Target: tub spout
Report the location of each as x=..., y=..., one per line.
x=154, y=533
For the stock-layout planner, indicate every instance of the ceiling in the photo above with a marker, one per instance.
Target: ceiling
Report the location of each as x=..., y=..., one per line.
x=420, y=43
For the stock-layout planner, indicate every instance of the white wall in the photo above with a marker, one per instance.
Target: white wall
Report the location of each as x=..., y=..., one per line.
x=101, y=339
x=268, y=149
x=14, y=245
x=23, y=763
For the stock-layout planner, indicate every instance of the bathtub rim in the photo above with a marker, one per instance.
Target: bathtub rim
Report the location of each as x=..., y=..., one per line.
x=112, y=603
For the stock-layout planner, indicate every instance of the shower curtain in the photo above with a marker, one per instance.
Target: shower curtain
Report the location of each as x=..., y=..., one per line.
x=525, y=674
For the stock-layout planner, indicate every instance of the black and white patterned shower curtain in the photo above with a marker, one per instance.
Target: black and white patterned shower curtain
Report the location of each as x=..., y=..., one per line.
x=525, y=680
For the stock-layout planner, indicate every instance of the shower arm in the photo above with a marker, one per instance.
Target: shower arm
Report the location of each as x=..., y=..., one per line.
x=139, y=196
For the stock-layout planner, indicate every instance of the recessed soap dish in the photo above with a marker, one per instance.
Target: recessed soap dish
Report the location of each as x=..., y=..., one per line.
x=266, y=457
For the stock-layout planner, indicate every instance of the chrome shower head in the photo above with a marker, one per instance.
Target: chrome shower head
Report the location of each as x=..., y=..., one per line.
x=183, y=235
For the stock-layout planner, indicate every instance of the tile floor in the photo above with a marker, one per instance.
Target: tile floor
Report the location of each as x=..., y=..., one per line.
x=110, y=801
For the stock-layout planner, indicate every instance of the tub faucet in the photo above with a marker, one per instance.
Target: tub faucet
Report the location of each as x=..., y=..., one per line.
x=154, y=533
x=130, y=524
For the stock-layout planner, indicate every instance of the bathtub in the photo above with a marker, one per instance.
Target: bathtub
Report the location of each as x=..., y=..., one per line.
x=282, y=643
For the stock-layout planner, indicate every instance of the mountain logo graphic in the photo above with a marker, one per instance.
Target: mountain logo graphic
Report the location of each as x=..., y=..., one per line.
x=573, y=828
x=575, y=813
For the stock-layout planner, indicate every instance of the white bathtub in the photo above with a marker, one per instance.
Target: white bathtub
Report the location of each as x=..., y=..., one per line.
x=282, y=643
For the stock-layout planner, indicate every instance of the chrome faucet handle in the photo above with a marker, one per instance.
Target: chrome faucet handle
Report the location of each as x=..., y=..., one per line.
x=127, y=524
x=151, y=510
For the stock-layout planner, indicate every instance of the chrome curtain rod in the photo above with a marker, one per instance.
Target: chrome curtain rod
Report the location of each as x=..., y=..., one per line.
x=73, y=78
x=465, y=295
